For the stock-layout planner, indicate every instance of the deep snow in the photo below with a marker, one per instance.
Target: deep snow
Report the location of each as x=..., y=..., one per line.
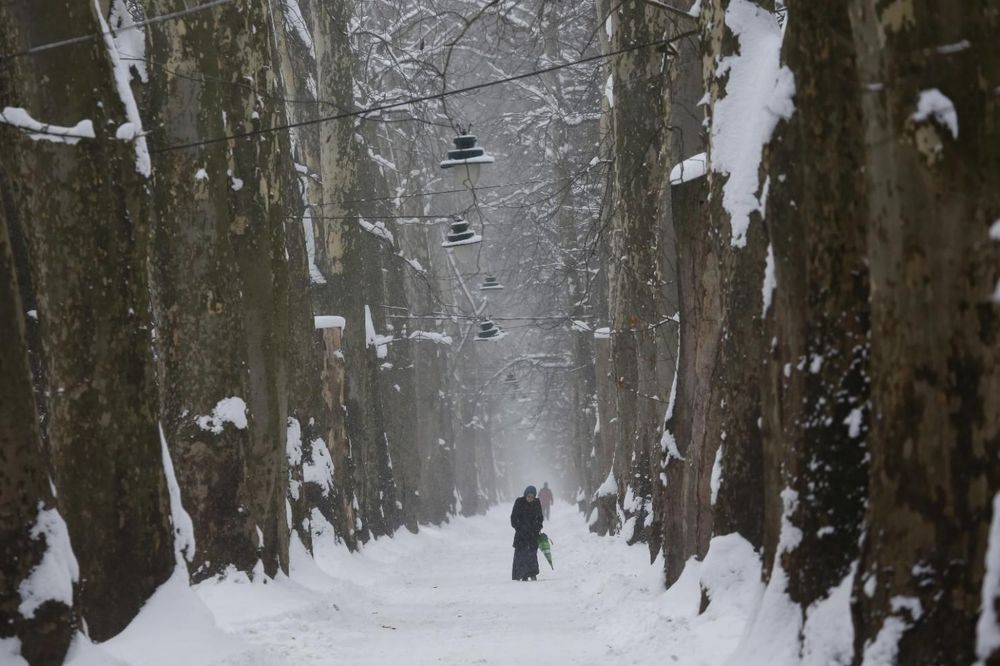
x=444, y=596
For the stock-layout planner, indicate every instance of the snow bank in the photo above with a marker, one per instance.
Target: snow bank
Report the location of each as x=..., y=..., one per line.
x=53, y=577
x=445, y=596
x=772, y=636
x=10, y=652
x=758, y=94
x=173, y=627
x=730, y=576
x=828, y=633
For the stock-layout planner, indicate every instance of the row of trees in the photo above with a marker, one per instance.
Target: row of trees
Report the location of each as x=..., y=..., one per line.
x=751, y=289
x=199, y=366
x=834, y=273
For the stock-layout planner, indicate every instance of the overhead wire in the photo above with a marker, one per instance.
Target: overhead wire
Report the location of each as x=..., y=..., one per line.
x=413, y=100
x=35, y=50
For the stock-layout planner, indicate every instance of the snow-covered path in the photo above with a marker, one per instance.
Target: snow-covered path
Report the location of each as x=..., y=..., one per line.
x=444, y=596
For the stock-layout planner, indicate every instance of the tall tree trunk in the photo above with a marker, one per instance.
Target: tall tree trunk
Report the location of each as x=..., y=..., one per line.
x=88, y=247
x=260, y=210
x=712, y=448
x=573, y=263
x=31, y=529
x=335, y=499
x=682, y=507
x=929, y=76
x=644, y=290
x=219, y=271
x=817, y=388
x=347, y=257
x=681, y=488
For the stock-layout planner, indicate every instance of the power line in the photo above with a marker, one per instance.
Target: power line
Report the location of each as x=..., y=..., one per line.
x=34, y=50
x=414, y=100
x=410, y=195
x=449, y=216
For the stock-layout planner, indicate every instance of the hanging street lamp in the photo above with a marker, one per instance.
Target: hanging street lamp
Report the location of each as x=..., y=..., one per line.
x=461, y=239
x=466, y=160
x=488, y=331
x=490, y=283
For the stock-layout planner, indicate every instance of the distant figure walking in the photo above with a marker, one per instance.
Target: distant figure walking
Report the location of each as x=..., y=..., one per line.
x=545, y=499
x=526, y=519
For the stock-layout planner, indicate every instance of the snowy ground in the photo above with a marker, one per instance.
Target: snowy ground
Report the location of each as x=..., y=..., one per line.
x=444, y=596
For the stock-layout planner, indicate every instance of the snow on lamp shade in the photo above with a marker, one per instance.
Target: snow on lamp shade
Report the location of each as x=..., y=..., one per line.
x=466, y=160
x=490, y=283
x=461, y=239
x=488, y=331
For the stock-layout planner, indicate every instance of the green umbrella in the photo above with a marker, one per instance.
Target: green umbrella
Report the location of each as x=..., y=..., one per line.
x=546, y=547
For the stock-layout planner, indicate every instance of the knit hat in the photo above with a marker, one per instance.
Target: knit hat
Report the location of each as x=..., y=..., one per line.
x=530, y=490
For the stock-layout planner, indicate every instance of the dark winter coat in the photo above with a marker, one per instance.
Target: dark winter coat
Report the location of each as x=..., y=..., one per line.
x=526, y=519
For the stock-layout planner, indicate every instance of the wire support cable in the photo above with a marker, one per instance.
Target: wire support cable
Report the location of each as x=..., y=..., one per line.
x=415, y=100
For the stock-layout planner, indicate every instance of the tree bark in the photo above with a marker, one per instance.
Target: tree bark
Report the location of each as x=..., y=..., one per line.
x=928, y=77
x=644, y=288
x=219, y=272
x=44, y=632
x=816, y=397
x=88, y=250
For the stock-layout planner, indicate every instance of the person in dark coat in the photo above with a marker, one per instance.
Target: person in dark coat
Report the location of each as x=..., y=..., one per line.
x=546, y=499
x=526, y=519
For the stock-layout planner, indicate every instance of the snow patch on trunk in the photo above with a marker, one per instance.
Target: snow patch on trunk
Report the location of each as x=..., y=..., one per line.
x=759, y=93
x=228, y=410
x=296, y=23
x=609, y=487
x=932, y=103
x=53, y=577
x=988, y=627
x=319, y=470
x=293, y=452
x=715, y=482
x=767, y=290
x=122, y=83
x=184, y=545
